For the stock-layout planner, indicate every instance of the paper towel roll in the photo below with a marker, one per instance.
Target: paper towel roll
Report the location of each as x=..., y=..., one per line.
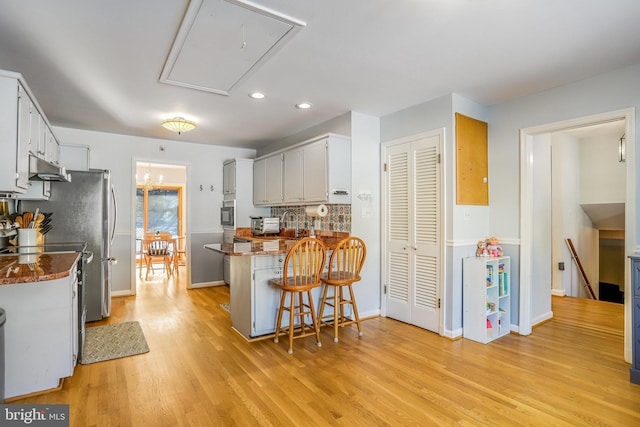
x=316, y=211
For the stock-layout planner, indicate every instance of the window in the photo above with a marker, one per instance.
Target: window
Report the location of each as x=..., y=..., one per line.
x=158, y=209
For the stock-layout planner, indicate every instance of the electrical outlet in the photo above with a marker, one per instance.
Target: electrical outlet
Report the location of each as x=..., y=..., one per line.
x=561, y=266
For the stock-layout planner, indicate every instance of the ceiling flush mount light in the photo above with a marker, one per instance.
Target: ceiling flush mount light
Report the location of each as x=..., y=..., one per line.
x=179, y=125
x=256, y=95
x=303, y=105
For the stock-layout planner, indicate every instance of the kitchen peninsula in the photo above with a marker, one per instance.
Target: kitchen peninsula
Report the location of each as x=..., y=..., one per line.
x=253, y=301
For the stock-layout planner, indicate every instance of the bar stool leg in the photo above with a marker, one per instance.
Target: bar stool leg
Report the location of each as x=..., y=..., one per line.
x=316, y=328
x=355, y=309
x=292, y=309
x=279, y=321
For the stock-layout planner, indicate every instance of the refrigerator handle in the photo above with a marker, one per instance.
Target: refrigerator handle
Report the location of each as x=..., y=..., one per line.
x=115, y=213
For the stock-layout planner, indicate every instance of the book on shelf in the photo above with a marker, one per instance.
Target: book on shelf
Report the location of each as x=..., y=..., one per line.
x=489, y=275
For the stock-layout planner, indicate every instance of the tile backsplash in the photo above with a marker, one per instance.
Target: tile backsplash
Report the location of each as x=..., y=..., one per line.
x=338, y=218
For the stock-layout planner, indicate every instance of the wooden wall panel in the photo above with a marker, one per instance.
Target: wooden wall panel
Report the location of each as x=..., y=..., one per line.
x=472, y=166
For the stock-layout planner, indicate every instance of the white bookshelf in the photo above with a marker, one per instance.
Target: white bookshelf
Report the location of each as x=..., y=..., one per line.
x=486, y=298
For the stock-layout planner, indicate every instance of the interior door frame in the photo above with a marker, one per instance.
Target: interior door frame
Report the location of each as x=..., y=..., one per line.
x=132, y=221
x=526, y=212
x=441, y=133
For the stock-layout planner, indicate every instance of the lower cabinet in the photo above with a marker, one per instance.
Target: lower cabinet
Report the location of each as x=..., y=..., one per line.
x=254, y=302
x=41, y=342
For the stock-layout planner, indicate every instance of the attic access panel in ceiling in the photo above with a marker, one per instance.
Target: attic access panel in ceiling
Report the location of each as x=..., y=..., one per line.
x=221, y=42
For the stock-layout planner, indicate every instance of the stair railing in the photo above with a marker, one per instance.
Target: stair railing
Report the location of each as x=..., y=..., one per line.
x=576, y=259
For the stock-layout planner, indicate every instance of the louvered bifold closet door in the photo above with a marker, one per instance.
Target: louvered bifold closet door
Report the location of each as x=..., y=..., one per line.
x=398, y=230
x=413, y=232
x=426, y=231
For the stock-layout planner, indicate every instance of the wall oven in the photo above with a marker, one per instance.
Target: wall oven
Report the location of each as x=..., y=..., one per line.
x=228, y=214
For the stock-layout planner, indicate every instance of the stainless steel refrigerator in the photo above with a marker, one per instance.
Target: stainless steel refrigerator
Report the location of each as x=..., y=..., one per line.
x=84, y=210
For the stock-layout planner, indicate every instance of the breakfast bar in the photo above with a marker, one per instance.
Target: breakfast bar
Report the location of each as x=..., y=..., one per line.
x=253, y=301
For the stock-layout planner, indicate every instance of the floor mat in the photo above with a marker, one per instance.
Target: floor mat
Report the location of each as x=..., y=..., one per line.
x=113, y=341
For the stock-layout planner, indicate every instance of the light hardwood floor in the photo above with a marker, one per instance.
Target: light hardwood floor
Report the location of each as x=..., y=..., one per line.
x=569, y=372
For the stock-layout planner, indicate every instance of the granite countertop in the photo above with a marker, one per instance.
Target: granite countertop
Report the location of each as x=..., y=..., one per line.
x=263, y=245
x=36, y=267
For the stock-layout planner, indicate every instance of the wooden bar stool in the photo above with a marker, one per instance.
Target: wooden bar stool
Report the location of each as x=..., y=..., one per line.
x=302, y=270
x=345, y=264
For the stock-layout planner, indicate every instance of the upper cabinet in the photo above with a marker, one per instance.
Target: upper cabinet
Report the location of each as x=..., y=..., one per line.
x=24, y=132
x=238, y=184
x=267, y=180
x=229, y=178
x=314, y=171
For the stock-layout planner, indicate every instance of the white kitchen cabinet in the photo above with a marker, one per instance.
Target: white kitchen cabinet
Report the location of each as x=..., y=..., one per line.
x=292, y=176
x=41, y=334
x=254, y=302
x=24, y=131
x=229, y=177
x=265, y=298
x=38, y=190
x=52, y=147
x=486, y=298
x=14, y=161
x=315, y=171
x=75, y=157
x=319, y=176
x=267, y=180
x=238, y=185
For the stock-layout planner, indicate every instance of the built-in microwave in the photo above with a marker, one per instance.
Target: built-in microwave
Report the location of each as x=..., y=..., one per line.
x=228, y=214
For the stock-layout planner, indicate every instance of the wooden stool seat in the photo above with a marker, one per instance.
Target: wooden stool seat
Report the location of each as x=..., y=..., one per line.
x=345, y=264
x=302, y=269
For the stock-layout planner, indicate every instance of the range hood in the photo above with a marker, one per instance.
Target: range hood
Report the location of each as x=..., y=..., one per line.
x=41, y=170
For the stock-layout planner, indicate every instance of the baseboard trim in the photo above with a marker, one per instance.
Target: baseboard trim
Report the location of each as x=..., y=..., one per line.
x=207, y=284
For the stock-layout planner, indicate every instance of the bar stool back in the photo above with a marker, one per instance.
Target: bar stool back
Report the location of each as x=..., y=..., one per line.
x=345, y=264
x=302, y=270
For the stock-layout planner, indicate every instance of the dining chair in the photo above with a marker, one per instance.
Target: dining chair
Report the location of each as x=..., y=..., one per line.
x=157, y=249
x=345, y=264
x=303, y=267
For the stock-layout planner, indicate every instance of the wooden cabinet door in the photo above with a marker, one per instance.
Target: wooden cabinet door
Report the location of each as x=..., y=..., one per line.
x=472, y=164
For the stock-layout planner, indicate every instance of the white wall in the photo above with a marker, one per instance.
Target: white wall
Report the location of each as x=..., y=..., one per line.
x=541, y=229
x=204, y=167
x=566, y=211
x=602, y=175
x=365, y=176
x=607, y=92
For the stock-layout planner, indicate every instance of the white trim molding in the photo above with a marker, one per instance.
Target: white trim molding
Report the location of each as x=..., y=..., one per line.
x=526, y=204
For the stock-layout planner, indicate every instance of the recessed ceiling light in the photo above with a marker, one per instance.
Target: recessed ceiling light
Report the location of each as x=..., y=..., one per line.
x=256, y=95
x=303, y=105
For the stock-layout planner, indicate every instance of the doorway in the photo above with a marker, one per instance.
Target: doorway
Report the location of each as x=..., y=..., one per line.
x=535, y=295
x=588, y=203
x=160, y=201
